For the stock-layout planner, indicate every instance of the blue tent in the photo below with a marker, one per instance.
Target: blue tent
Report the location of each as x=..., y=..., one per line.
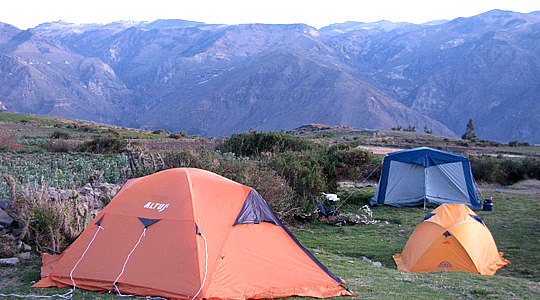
x=424, y=175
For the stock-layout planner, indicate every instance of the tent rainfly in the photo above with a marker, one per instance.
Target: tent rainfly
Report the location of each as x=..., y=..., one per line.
x=451, y=238
x=190, y=234
x=424, y=175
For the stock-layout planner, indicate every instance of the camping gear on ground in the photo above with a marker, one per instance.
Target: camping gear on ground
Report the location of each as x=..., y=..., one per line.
x=488, y=204
x=451, y=238
x=325, y=208
x=425, y=176
x=187, y=233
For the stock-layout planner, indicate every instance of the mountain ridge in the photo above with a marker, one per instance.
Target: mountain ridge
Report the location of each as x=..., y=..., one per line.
x=186, y=75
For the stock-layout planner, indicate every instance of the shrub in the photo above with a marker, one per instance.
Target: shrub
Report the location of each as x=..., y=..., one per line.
x=517, y=143
x=62, y=146
x=158, y=131
x=340, y=164
x=303, y=172
x=86, y=128
x=104, y=145
x=49, y=224
x=504, y=170
x=8, y=246
x=113, y=132
x=178, y=135
x=57, y=134
x=272, y=187
x=255, y=143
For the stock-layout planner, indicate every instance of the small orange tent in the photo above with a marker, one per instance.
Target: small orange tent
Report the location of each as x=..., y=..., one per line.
x=190, y=234
x=452, y=237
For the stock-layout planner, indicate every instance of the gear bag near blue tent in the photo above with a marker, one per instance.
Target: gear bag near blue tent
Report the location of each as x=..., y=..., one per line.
x=426, y=176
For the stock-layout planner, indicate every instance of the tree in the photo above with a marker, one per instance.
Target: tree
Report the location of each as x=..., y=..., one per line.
x=410, y=129
x=470, y=134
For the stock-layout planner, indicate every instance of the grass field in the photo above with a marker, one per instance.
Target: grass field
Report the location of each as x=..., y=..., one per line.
x=514, y=223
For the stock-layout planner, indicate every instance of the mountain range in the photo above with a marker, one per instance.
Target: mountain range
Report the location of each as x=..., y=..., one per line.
x=215, y=79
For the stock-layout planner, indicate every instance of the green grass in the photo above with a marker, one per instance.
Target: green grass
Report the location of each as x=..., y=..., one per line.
x=28, y=118
x=532, y=149
x=514, y=223
x=42, y=126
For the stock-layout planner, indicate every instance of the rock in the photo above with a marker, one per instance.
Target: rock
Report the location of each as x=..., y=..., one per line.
x=5, y=219
x=86, y=190
x=24, y=255
x=17, y=231
x=4, y=203
x=377, y=264
x=26, y=247
x=9, y=261
x=363, y=258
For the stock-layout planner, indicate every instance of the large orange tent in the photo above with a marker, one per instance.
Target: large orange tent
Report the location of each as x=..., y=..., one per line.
x=190, y=234
x=451, y=238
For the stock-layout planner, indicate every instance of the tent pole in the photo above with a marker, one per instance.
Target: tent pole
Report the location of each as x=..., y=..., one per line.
x=425, y=187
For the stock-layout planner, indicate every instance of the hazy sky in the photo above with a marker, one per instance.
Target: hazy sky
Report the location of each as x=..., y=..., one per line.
x=30, y=13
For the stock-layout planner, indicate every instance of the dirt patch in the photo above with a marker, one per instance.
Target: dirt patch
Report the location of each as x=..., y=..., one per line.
x=379, y=149
x=530, y=187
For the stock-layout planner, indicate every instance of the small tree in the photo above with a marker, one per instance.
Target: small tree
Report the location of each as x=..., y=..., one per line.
x=470, y=134
x=410, y=129
x=427, y=130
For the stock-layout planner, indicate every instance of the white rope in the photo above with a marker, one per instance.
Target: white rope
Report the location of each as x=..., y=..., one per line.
x=125, y=263
x=205, y=267
x=69, y=294
x=36, y=296
x=82, y=256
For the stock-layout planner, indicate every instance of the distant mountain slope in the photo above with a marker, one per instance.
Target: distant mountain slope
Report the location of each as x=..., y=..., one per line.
x=282, y=90
x=215, y=79
x=485, y=67
x=40, y=75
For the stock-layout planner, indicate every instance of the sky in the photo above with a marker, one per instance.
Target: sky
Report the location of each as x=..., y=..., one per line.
x=26, y=14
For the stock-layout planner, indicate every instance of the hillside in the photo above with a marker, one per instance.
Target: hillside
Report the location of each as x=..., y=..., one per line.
x=215, y=80
x=29, y=132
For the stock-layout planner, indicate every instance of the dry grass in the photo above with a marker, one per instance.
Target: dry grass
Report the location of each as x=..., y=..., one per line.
x=529, y=184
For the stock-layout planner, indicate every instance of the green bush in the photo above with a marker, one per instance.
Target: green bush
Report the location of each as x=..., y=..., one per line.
x=178, y=135
x=340, y=162
x=272, y=187
x=255, y=143
x=504, y=170
x=159, y=131
x=303, y=171
x=104, y=145
x=517, y=143
x=57, y=134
